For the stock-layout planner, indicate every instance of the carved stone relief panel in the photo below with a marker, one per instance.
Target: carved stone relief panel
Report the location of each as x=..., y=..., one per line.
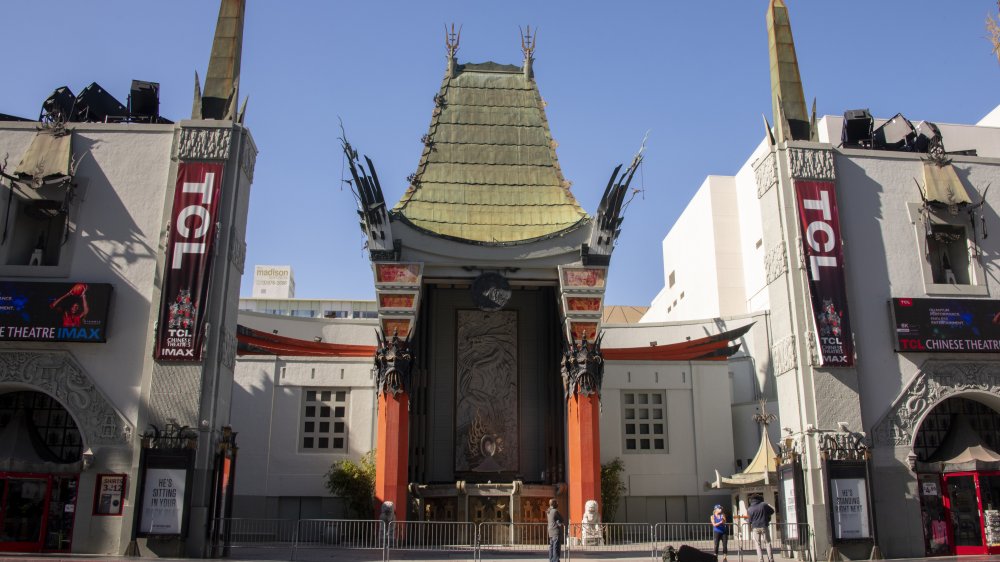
x=783, y=355
x=936, y=381
x=766, y=172
x=775, y=262
x=486, y=410
x=228, y=352
x=248, y=156
x=60, y=376
x=237, y=249
x=811, y=164
x=205, y=144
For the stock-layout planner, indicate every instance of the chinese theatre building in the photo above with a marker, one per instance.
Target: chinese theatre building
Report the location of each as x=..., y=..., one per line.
x=490, y=283
x=120, y=264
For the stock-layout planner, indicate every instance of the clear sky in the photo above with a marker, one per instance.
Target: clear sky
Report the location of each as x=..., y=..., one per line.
x=693, y=73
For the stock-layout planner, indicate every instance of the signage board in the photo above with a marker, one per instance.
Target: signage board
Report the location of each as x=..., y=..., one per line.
x=946, y=325
x=824, y=256
x=54, y=312
x=163, y=501
x=109, y=494
x=194, y=221
x=850, y=508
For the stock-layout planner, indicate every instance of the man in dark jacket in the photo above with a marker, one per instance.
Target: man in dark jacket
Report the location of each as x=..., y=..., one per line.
x=759, y=514
x=555, y=521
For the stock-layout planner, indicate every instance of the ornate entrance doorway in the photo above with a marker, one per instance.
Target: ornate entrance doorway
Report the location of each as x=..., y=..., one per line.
x=959, y=478
x=40, y=461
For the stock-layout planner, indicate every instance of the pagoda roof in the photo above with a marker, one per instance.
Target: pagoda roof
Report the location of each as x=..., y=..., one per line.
x=762, y=470
x=489, y=173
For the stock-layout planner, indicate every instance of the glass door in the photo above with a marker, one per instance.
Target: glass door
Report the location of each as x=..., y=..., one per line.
x=963, y=505
x=23, y=513
x=989, y=497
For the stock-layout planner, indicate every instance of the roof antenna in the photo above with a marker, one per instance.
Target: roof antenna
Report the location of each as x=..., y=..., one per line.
x=528, y=48
x=451, y=40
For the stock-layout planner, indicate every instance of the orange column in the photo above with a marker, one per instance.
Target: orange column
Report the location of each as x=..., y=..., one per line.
x=584, y=432
x=392, y=453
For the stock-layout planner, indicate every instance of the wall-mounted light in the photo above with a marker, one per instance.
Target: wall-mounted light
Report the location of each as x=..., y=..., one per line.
x=87, y=458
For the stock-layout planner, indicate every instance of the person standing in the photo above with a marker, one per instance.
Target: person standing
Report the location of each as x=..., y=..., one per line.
x=555, y=523
x=719, y=530
x=759, y=514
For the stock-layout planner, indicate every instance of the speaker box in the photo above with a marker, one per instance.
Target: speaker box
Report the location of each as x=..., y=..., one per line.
x=96, y=105
x=857, y=132
x=59, y=104
x=144, y=101
x=895, y=134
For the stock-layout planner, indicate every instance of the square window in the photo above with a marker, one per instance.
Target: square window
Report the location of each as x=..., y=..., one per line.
x=341, y=396
x=324, y=412
x=629, y=414
x=650, y=410
x=310, y=427
x=644, y=429
x=630, y=429
x=324, y=427
x=643, y=414
x=629, y=398
x=658, y=444
x=630, y=444
x=310, y=395
x=658, y=428
x=326, y=395
x=338, y=442
x=307, y=443
x=338, y=427
x=339, y=411
x=656, y=398
x=644, y=444
x=657, y=414
x=310, y=411
x=644, y=399
x=324, y=442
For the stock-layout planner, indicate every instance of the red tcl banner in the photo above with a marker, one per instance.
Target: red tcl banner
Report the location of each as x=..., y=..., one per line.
x=188, y=268
x=824, y=252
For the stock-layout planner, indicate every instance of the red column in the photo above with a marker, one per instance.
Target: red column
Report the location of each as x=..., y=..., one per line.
x=584, y=432
x=392, y=453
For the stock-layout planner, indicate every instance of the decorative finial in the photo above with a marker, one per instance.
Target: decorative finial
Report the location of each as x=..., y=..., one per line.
x=451, y=40
x=528, y=48
x=763, y=416
x=528, y=41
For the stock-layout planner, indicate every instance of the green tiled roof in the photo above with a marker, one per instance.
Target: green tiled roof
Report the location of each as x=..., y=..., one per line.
x=489, y=172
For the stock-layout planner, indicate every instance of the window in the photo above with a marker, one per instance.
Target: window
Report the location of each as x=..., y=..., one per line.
x=644, y=419
x=671, y=279
x=37, y=230
x=324, y=420
x=948, y=248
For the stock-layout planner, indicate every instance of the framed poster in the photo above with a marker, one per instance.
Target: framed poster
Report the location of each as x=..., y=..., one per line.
x=109, y=494
x=163, y=499
x=791, y=499
x=849, y=504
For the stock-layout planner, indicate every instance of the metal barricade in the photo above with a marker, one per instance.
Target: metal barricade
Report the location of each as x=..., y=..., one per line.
x=503, y=540
x=696, y=535
x=254, y=534
x=788, y=540
x=339, y=534
x=584, y=540
x=430, y=536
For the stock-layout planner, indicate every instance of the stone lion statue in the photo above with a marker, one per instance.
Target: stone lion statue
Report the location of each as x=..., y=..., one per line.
x=591, y=532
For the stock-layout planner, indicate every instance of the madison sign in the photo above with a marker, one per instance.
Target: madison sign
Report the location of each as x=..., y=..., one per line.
x=54, y=312
x=823, y=250
x=947, y=325
x=193, y=225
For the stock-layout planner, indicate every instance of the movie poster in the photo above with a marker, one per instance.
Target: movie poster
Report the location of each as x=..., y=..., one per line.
x=850, y=508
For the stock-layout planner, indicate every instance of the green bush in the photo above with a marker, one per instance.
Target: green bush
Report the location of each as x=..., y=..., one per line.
x=355, y=482
x=612, y=488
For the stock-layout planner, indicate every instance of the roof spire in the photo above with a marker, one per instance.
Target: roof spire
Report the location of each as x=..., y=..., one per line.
x=528, y=48
x=451, y=40
x=791, y=119
x=219, y=99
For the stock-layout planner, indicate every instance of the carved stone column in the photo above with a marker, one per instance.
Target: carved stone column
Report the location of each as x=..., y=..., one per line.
x=583, y=373
x=393, y=362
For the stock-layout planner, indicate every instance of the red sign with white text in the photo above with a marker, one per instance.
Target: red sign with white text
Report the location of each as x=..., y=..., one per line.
x=824, y=253
x=188, y=266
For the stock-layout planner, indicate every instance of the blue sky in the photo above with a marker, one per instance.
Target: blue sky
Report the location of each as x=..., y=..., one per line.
x=693, y=73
